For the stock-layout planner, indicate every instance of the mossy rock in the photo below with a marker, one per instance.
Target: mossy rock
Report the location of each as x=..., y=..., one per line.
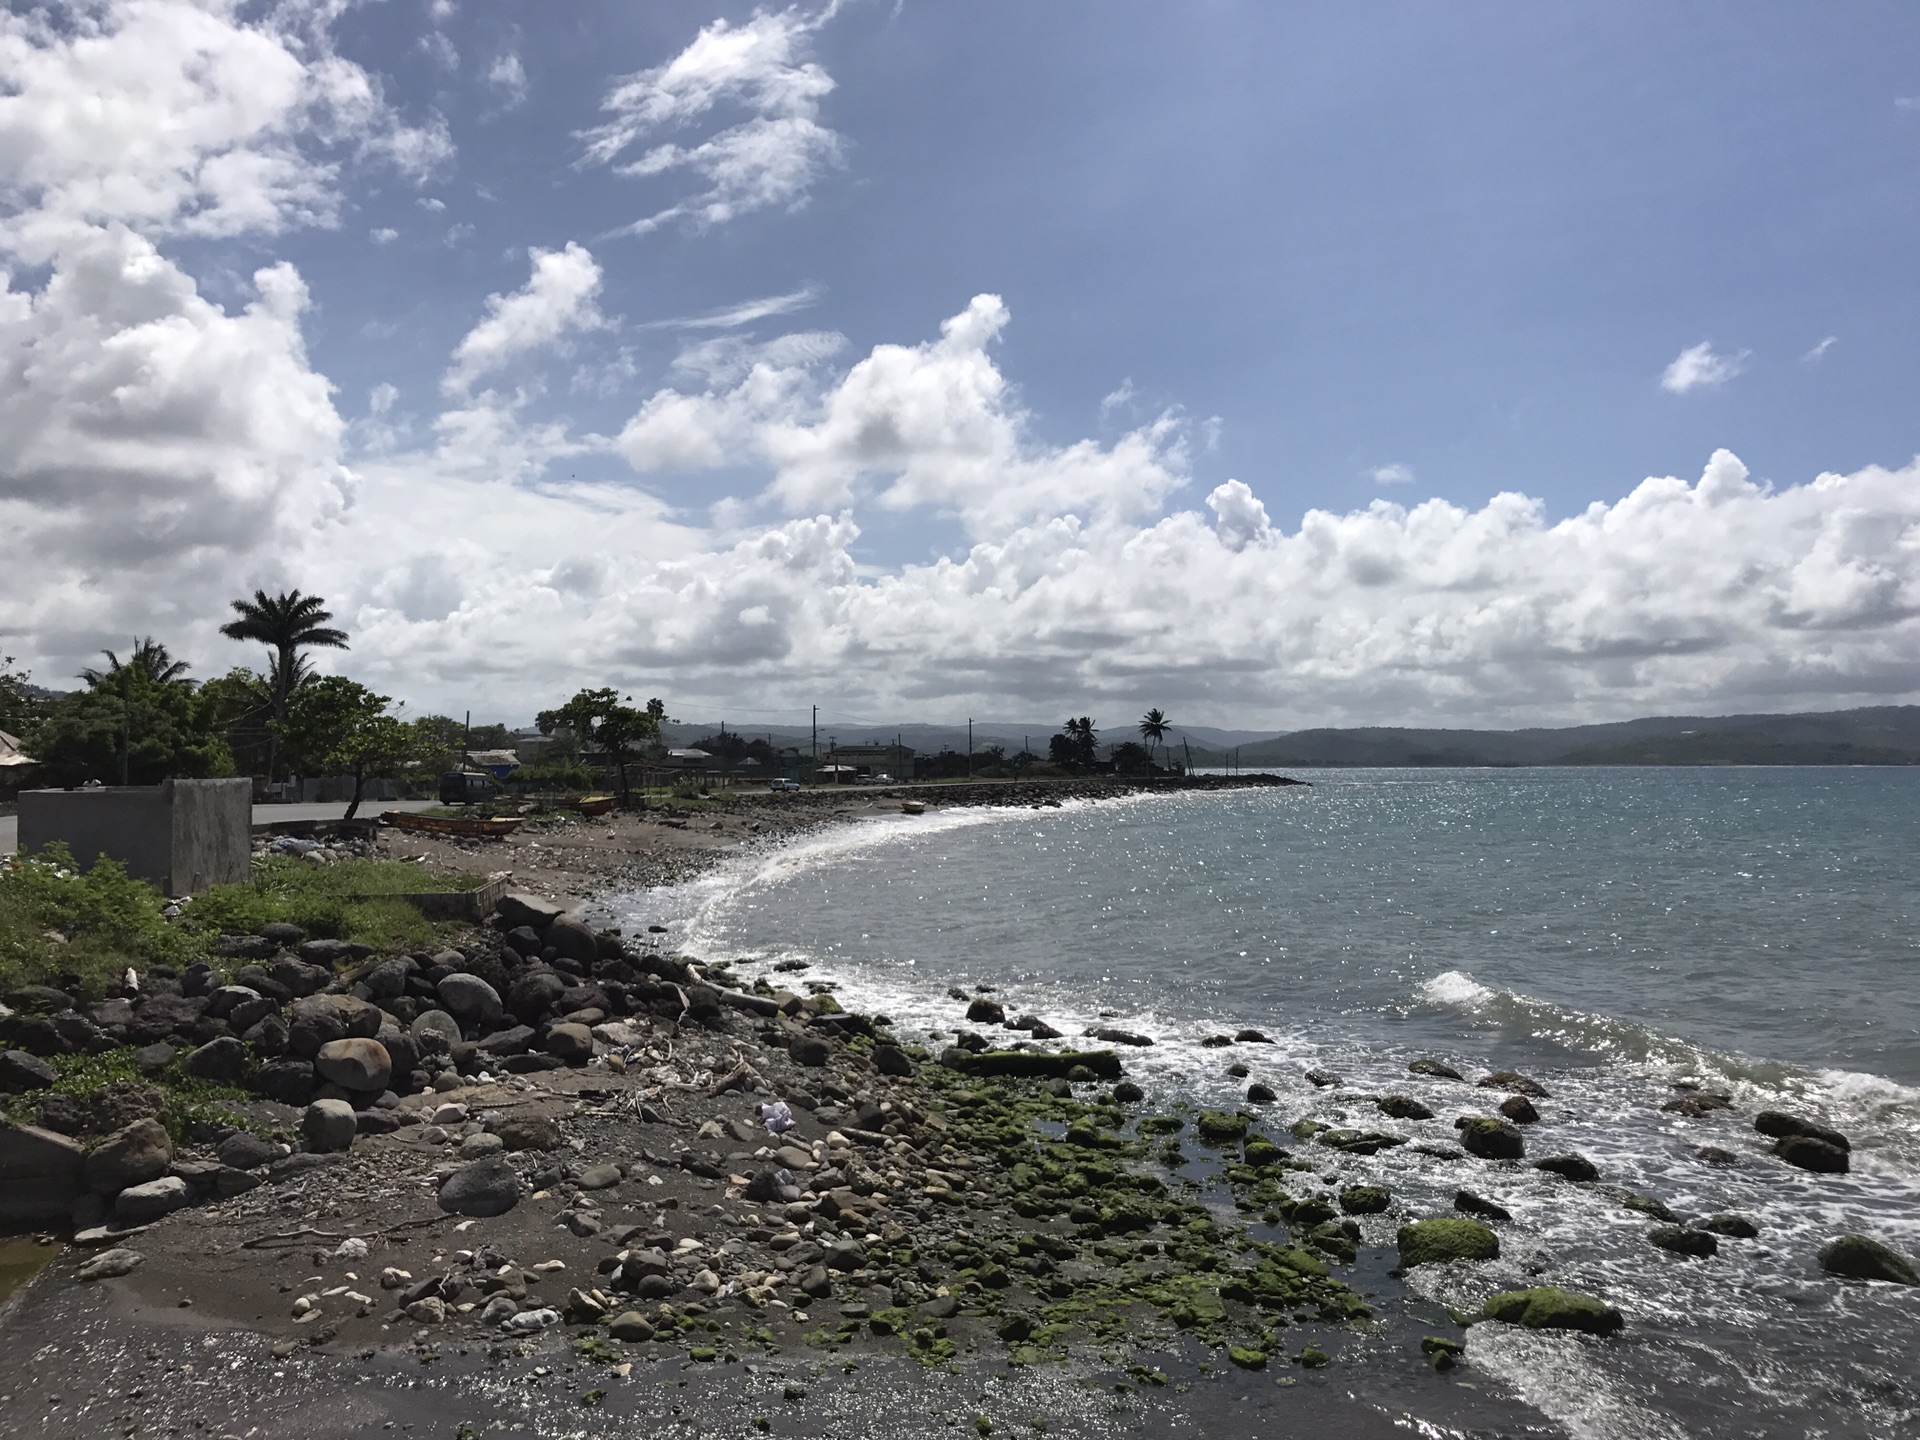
x=1679, y=1240
x=1312, y=1357
x=1312, y=1211
x=1246, y=1357
x=1359, y=1142
x=1220, y=1126
x=1734, y=1227
x=1161, y=1125
x=1365, y=1199
x=1450, y=1237
x=1261, y=1151
x=1307, y=1129
x=1861, y=1257
x=1548, y=1307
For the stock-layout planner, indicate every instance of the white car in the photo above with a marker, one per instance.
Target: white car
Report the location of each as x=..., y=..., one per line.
x=781, y=782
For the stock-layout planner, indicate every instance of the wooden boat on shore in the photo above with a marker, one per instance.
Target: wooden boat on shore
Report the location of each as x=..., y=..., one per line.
x=913, y=807
x=592, y=804
x=451, y=825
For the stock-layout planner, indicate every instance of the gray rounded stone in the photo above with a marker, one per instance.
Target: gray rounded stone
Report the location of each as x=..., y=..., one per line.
x=470, y=999
x=143, y=1204
x=329, y=1125
x=483, y=1189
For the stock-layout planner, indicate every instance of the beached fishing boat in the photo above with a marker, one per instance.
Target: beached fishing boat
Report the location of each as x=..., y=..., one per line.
x=913, y=807
x=592, y=804
x=449, y=825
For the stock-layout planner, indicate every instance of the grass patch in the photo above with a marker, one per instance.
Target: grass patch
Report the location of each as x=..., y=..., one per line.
x=353, y=900
x=82, y=930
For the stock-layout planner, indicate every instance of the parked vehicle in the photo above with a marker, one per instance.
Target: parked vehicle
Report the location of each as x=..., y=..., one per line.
x=881, y=779
x=781, y=782
x=465, y=787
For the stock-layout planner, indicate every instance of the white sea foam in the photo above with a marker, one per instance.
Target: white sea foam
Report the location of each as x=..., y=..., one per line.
x=1456, y=988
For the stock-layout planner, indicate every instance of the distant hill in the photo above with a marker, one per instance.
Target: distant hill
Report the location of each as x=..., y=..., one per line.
x=1880, y=735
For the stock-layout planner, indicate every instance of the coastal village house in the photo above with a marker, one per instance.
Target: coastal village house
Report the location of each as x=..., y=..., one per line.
x=891, y=760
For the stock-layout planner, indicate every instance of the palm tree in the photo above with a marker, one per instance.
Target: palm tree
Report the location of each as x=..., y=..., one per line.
x=149, y=660
x=287, y=623
x=1153, y=727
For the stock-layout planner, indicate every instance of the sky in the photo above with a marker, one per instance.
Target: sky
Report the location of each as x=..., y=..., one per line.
x=1277, y=365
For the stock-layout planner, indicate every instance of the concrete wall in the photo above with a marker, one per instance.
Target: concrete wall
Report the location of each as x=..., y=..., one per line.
x=183, y=835
x=212, y=833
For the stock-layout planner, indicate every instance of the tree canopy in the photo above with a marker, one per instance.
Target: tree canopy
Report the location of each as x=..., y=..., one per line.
x=286, y=624
x=138, y=722
x=604, y=718
x=338, y=726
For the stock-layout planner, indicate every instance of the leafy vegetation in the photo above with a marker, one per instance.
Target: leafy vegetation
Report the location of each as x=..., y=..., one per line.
x=339, y=726
x=139, y=721
x=184, y=1100
x=286, y=624
x=106, y=921
x=83, y=929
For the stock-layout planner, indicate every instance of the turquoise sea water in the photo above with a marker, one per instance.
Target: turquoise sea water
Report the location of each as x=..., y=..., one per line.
x=1611, y=932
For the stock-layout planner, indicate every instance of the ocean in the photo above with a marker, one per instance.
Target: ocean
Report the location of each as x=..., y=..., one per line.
x=1609, y=932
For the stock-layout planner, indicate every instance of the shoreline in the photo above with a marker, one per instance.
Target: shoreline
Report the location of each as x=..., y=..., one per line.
x=835, y=1253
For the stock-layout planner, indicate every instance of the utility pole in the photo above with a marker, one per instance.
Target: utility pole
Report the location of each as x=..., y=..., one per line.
x=969, y=747
x=816, y=737
x=466, y=739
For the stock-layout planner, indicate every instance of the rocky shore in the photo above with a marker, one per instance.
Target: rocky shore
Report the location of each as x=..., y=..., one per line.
x=553, y=1178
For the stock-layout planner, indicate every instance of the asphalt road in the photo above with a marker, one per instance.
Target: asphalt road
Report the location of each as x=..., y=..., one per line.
x=10, y=824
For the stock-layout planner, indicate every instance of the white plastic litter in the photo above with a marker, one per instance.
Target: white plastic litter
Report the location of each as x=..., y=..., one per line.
x=776, y=1117
x=351, y=1248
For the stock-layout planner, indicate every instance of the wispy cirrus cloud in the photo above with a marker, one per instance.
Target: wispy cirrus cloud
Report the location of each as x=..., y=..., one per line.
x=746, y=312
x=1819, y=352
x=770, y=156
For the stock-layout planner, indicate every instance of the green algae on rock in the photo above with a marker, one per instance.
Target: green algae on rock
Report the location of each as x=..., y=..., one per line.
x=1450, y=1237
x=1548, y=1307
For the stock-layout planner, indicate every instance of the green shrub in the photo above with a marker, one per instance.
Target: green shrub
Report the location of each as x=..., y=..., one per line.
x=109, y=921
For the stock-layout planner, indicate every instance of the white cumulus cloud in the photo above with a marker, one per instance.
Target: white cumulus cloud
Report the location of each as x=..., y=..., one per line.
x=1393, y=474
x=1701, y=367
x=769, y=156
x=557, y=299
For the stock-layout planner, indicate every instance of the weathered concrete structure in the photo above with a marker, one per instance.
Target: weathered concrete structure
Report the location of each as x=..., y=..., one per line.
x=183, y=835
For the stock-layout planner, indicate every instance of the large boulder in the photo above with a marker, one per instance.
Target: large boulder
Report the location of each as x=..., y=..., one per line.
x=132, y=1155
x=160, y=1016
x=329, y=1125
x=520, y=908
x=20, y=1071
x=1577, y=1168
x=388, y=980
x=222, y=1061
x=1779, y=1125
x=1450, y=1237
x=42, y=1176
x=243, y=1150
x=1861, y=1257
x=297, y=977
x=482, y=1189
x=471, y=1000
x=289, y=1080
x=809, y=1050
x=1548, y=1307
x=435, y=1031
x=534, y=994
x=1490, y=1138
x=225, y=1000
x=573, y=939
x=143, y=1204
x=359, y=1065
x=571, y=1043
x=402, y=1049
x=1807, y=1152
x=530, y=1132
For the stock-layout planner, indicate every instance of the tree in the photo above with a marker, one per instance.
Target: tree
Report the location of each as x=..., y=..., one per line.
x=1153, y=728
x=339, y=726
x=239, y=706
x=149, y=659
x=139, y=722
x=287, y=624
x=20, y=703
x=603, y=718
x=1131, y=758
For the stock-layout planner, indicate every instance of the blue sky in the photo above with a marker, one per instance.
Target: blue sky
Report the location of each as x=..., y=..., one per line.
x=1287, y=307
